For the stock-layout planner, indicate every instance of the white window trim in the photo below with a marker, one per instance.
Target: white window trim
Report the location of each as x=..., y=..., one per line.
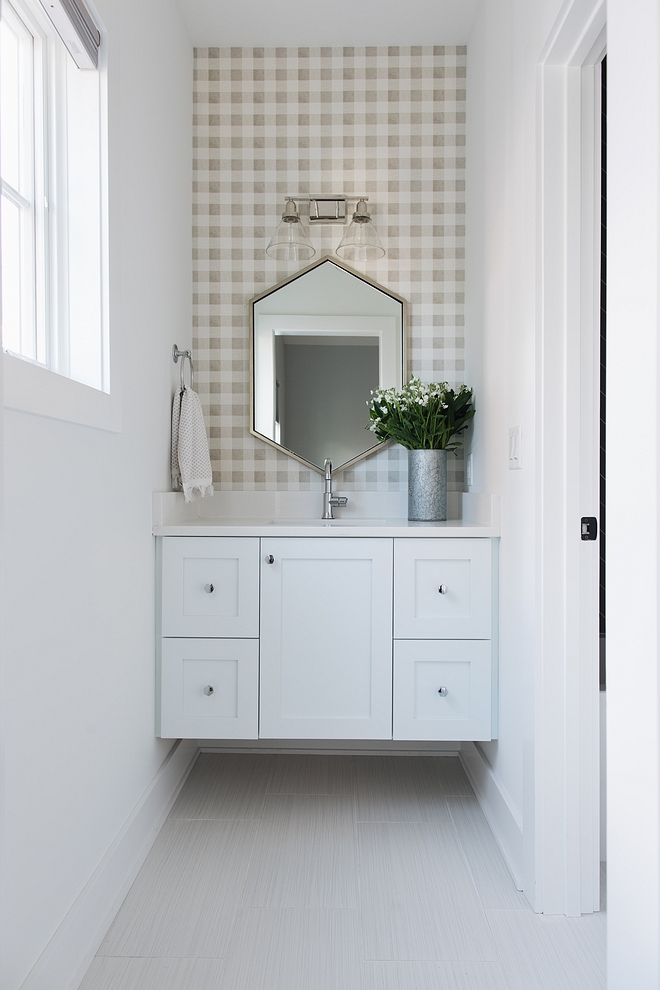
x=31, y=388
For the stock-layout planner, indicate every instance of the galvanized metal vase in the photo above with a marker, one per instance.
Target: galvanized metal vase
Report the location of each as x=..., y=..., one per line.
x=427, y=485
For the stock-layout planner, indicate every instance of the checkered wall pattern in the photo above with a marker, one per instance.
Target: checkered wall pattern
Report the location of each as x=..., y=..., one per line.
x=388, y=123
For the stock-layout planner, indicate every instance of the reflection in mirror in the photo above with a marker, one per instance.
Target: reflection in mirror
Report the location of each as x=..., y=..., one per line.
x=323, y=385
x=321, y=342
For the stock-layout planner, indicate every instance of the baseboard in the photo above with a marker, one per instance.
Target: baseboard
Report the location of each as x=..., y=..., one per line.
x=330, y=747
x=496, y=806
x=66, y=958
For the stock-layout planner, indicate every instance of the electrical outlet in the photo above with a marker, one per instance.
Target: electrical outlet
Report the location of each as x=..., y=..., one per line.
x=515, y=448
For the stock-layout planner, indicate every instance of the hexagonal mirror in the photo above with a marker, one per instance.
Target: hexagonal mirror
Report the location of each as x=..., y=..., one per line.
x=320, y=342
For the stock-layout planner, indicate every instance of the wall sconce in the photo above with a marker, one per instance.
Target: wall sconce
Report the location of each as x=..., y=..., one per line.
x=361, y=242
x=291, y=242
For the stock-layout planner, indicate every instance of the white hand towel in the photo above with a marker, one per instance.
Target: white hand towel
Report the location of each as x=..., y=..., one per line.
x=191, y=464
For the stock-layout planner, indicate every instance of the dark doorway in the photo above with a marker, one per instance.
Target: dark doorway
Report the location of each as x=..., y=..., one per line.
x=603, y=355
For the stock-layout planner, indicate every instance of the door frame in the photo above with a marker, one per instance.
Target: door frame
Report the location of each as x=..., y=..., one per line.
x=563, y=777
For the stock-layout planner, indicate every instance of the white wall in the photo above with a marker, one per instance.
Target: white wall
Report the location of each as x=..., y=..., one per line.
x=78, y=722
x=633, y=497
x=505, y=42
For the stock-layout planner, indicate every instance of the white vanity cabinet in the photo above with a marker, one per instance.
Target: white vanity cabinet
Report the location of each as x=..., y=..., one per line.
x=327, y=637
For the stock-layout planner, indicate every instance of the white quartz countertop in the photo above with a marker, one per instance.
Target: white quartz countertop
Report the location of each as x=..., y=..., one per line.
x=282, y=514
x=326, y=527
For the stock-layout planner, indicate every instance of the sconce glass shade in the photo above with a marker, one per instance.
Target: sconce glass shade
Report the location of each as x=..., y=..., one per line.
x=290, y=242
x=361, y=242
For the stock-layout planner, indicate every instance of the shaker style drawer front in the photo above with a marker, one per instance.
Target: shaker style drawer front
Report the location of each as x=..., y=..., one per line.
x=442, y=689
x=442, y=589
x=210, y=586
x=209, y=688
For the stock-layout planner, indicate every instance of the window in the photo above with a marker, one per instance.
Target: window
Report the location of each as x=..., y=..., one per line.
x=52, y=201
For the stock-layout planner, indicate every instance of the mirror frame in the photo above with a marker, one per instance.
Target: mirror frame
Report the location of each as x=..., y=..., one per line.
x=404, y=363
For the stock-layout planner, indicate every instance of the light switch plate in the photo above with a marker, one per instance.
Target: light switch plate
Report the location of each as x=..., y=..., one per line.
x=515, y=448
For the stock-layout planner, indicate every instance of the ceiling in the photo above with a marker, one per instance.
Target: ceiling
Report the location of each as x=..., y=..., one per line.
x=302, y=23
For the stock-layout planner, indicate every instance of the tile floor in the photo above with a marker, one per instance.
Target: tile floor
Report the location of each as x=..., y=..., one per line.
x=335, y=873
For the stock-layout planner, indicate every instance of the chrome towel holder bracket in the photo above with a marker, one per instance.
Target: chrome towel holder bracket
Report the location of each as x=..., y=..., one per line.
x=176, y=354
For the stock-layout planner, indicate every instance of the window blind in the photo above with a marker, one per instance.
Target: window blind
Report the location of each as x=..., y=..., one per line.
x=75, y=26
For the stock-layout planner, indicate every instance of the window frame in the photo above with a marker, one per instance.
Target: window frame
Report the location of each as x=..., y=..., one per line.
x=44, y=388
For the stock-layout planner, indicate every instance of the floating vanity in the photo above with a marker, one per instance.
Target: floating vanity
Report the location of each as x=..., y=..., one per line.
x=277, y=621
x=277, y=627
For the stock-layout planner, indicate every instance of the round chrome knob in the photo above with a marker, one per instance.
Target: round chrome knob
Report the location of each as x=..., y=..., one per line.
x=270, y=559
x=443, y=692
x=209, y=589
x=208, y=690
x=443, y=589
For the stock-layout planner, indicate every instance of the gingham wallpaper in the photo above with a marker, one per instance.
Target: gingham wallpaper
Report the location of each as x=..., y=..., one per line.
x=385, y=122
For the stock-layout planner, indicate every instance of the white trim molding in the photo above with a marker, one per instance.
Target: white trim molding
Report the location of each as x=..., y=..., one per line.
x=561, y=850
x=66, y=958
x=33, y=389
x=506, y=825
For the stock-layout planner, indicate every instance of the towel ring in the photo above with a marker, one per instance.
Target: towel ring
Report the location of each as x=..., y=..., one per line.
x=176, y=354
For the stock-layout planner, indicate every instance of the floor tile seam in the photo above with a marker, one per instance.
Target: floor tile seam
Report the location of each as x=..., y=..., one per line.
x=433, y=961
x=215, y=819
x=358, y=861
x=311, y=794
x=241, y=893
x=459, y=962
x=484, y=910
x=405, y=821
x=271, y=774
x=507, y=971
x=466, y=859
x=298, y=907
x=350, y=799
x=265, y=793
x=523, y=910
x=115, y=956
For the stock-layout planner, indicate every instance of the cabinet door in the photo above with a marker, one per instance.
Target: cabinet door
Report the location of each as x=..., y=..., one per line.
x=209, y=689
x=442, y=589
x=326, y=639
x=442, y=689
x=210, y=586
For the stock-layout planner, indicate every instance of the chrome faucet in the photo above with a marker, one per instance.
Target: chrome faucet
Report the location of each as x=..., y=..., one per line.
x=330, y=501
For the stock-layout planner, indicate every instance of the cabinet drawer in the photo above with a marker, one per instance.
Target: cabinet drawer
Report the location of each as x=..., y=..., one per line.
x=209, y=689
x=462, y=669
x=442, y=589
x=210, y=586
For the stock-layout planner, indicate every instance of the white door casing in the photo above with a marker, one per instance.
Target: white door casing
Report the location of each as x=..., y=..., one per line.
x=561, y=851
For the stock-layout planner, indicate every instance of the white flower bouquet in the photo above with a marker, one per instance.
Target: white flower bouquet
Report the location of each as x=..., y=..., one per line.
x=420, y=416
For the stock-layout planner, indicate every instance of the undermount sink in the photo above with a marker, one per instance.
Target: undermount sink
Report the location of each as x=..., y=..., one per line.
x=337, y=521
